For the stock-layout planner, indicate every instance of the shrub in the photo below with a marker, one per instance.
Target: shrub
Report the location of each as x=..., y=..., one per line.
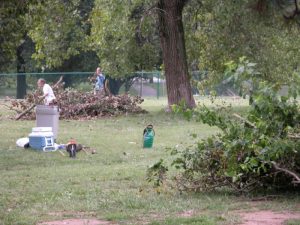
x=259, y=149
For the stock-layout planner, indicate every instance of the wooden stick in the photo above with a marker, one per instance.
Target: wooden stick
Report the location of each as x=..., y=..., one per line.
x=61, y=153
x=244, y=120
x=296, y=136
x=32, y=106
x=85, y=151
x=25, y=112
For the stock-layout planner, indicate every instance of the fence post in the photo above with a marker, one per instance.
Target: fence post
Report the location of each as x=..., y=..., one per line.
x=158, y=84
x=141, y=87
x=21, y=85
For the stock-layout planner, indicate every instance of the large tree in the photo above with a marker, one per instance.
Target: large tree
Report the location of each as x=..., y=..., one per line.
x=128, y=38
x=122, y=45
x=58, y=29
x=46, y=35
x=13, y=36
x=174, y=52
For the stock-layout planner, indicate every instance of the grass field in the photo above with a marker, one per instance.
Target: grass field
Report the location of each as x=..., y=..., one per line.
x=110, y=185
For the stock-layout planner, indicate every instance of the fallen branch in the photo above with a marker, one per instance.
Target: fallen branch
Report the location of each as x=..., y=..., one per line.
x=296, y=136
x=63, y=154
x=265, y=198
x=294, y=175
x=244, y=120
x=40, y=100
x=85, y=151
x=26, y=111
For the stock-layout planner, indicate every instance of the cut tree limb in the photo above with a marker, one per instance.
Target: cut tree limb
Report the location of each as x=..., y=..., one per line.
x=63, y=154
x=293, y=174
x=32, y=106
x=294, y=136
x=244, y=120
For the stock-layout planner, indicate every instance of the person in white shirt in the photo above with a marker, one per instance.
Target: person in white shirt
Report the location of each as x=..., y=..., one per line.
x=48, y=95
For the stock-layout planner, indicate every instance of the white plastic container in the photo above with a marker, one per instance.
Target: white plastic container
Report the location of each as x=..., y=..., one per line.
x=47, y=116
x=41, y=138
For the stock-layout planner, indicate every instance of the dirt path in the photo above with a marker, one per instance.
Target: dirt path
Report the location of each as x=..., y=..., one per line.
x=267, y=217
x=261, y=217
x=76, y=222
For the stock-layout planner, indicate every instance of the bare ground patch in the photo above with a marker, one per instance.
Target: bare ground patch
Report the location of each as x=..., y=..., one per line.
x=75, y=213
x=76, y=222
x=78, y=219
x=266, y=217
x=187, y=213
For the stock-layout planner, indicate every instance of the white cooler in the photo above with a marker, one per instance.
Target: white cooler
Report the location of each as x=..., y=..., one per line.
x=41, y=138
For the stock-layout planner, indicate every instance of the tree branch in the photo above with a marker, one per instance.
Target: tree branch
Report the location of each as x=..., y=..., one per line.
x=148, y=12
x=32, y=106
x=293, y=174
x=244, y=120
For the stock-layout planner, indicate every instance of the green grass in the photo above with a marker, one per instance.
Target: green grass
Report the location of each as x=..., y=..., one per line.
x=182, y=221
x=292, y=222
x=110, y=184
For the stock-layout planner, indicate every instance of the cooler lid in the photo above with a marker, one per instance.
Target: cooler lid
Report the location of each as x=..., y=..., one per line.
x=40, y=134
x=42, y=129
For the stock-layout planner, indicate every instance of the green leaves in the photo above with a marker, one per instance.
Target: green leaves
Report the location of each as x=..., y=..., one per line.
x=12, y=30
x=243, y=154
x=56, y=29
x=226, y=30
x=156, y=173
x=124, y=37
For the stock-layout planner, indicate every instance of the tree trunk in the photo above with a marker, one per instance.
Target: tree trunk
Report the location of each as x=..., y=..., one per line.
x=174, y=53
x=21, y=79
x=114, y=85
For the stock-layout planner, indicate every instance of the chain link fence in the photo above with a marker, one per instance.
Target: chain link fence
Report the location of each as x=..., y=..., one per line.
x=145, y=84
x=9, y=83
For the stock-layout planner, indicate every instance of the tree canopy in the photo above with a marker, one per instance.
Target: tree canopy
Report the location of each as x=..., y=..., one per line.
x=123, y=38
x=127, y=36
x=255, y=29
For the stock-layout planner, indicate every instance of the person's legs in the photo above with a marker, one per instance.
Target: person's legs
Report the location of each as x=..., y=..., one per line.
x=96, y=90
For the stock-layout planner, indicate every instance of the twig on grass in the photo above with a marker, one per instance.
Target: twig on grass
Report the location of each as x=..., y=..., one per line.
x=85, y=151
x=63, y=154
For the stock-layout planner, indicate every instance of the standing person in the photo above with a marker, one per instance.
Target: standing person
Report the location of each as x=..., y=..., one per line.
x=99, y=86
x=48, y=95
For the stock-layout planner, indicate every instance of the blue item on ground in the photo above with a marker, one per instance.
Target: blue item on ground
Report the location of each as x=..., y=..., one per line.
x=42, y=139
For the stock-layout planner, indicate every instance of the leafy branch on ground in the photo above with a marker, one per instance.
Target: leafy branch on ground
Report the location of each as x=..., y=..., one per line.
x=260, y=149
